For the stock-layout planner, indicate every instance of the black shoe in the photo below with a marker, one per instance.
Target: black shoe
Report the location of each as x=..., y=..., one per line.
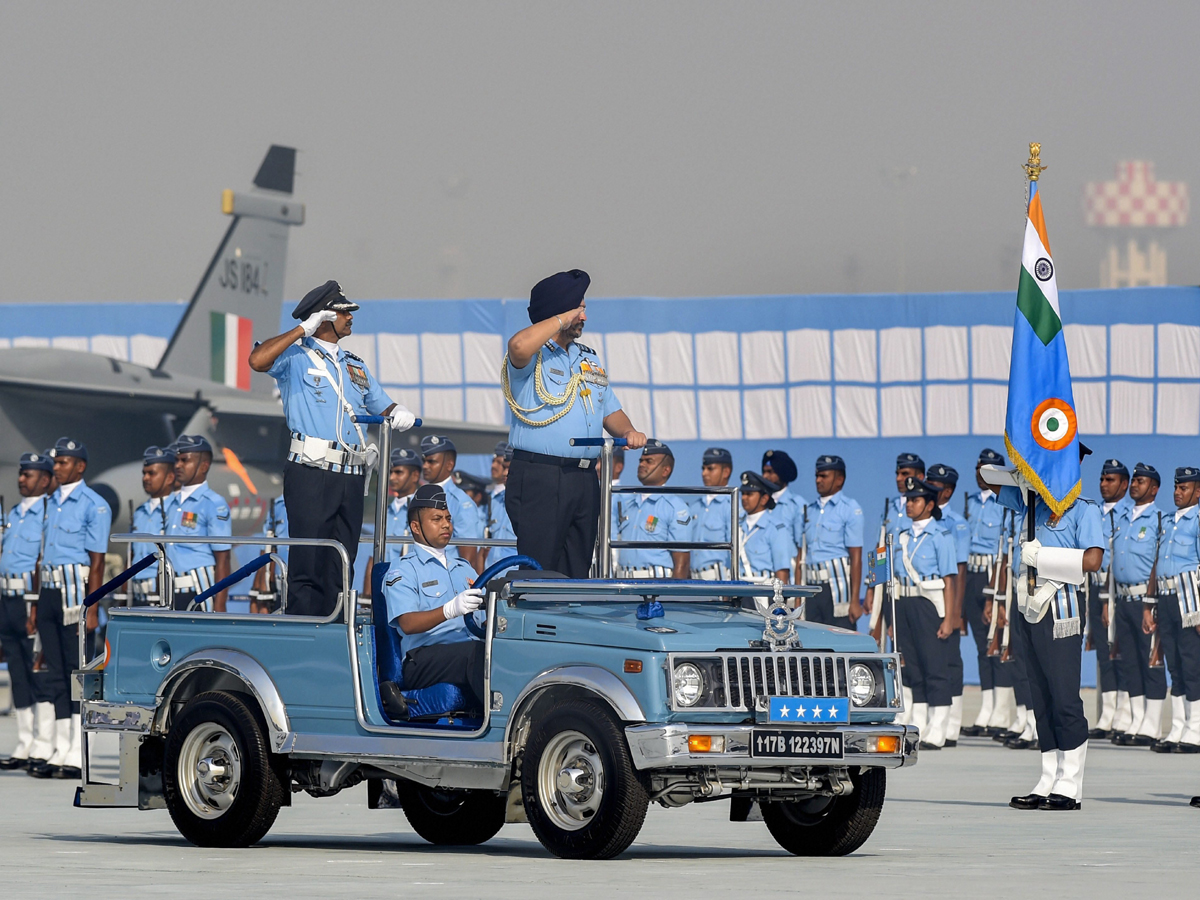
x=925, y=745
x=1005, y=736
x=1196, y=802
x=1125, y=739
x=70, y=773
x=993, y=731
x=1058, y=802
x=1018, y=743
x=394, y=703
x=1142, y=740
x=7, y=765
x=1185, y=748
x=1164, y=746
x=1099, y=734
x=32, y=763
x=44, y=771
x=950, y=743
x=972, y=731
x=1029, y=801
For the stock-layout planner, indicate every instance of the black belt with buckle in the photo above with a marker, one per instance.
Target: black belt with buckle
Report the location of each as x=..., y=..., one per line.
x=563, y=462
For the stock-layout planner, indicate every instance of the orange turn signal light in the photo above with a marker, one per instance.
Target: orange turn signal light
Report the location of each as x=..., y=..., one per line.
x=887, y=744
x=633, y=666
x=706, y=743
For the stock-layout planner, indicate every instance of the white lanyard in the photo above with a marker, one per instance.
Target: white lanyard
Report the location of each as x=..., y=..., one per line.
x=318, y=360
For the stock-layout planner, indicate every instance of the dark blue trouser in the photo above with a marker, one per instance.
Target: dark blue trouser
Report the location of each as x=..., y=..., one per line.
x=18, y=652
x=1181, y=648
x=1052, y=667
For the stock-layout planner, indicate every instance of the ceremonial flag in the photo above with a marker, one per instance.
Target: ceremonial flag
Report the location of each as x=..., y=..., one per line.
x=232, y=341
x=1040, y=428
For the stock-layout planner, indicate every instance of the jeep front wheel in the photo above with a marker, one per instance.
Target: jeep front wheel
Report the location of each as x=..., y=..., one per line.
x=829, y=826
x=582, y=795
x=220, y=787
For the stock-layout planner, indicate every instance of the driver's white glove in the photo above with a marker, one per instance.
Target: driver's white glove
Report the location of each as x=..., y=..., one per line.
x=461, y=604
x=313, y=322
x=402, y=418
x=1029, y=552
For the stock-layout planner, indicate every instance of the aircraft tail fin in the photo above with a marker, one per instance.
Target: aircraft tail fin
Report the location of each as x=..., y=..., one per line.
x=238, y=299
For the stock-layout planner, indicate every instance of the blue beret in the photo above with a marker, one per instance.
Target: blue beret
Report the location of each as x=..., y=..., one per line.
x=655, y=447
x=718, y=456
x=990, y=458
x=1114, y=467
x=39, y=461
x=404, y=457
x=836, y=463
x=469, y=482
x=503, y=449
x=781, y=464
x=68, y=447
x=942, y=474
x=753, y=483
x=191, y=443
x=915, y=487
x=560, y=293
x=428, y=496
x=910, y=461
x=437, y=443
x=1186, y=473
x=1147, y=471
x=152, y=455
x=327, y=296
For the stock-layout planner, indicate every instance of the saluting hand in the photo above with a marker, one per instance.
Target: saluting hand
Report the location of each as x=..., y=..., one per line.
x=313, y=322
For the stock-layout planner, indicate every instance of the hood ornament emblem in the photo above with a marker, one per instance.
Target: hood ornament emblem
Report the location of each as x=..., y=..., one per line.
x=780, y=631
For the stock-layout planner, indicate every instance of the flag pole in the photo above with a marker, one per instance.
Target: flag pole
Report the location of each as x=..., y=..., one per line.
x=1033, y=170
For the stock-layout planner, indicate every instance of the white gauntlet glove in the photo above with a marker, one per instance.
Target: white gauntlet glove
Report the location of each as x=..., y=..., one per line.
x=1029, y=552
x=313, y=322
x=461, y=604
x=402, y=418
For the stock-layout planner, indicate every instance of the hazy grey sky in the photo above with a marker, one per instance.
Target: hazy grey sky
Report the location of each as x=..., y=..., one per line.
x=670, y=148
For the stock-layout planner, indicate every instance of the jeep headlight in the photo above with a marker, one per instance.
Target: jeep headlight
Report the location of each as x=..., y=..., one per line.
x=861, y=681
x=687, y=682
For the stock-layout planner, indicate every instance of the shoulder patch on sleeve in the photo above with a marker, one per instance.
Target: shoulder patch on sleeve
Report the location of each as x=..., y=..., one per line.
x=222, y=512
x=858, y=511
x=683, y=516
x=393, y=579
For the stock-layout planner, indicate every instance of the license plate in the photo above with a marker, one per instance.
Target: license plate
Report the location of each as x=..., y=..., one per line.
x=808, y=744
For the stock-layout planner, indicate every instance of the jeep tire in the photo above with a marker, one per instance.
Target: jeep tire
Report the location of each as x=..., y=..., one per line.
x=218, y=781
x=582, y=795
x=452, y=817
x=829, y=826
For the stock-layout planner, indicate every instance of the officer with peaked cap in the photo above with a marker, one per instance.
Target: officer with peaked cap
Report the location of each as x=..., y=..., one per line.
x=404, y=477
x=196, y=510
x=20, y=544
x=945, y=479
x=557, y=390
x=656, y=517
x=1115, y=508
x=428, y=593
x=711, y=519
x=323, y=388
x=74, y=541
x=158, y=481
x=766, y=542
x=831, y=531
x=440, y=457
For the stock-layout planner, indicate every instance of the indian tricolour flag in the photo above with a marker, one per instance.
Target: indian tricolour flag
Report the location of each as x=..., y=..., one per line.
x=232, y=341
x=1040, y=430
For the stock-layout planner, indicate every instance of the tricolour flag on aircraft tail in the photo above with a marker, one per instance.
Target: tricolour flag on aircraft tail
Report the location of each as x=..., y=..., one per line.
x=232, y=341
x=1040, y=428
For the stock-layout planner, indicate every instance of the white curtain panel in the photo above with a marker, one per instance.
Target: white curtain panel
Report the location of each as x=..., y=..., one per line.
x=1132, y=406
x=671, y=358
x=146, y=349
x=34, y=342
x=766, y=412
x=1091, y=406
x=5, y=343
x=636, y=403
x=720, y=415
x=811, y=407
x=114, y=345
x=399, y=359
x=946, y=352
x=441, y=359
x=899, y=355
x=1178, y=351
x=900, y=411
x=947, y=409
x=717, y=358
x=627, y=359
x=856, y=411
x=485, y=406
x=989, y=402
x=408, y=397
x=70, y=343
x=675, y=415
x=1132, y=351
x=991, y=350
x=482, y=356
x=808, y=355
x=1179, y=408
x=854, y=355
x=443, y=403
x=1087, y=350
x=362, y=346
x=762, y=359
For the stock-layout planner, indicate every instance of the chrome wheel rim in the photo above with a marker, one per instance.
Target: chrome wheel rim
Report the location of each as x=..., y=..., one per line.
x=570, y=780
x=209, y=771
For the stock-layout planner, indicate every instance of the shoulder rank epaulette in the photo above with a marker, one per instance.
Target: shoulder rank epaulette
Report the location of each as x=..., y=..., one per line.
x=586, y=349
x=351, y=355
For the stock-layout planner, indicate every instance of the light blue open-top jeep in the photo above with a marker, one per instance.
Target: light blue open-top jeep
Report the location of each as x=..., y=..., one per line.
x=605, y=694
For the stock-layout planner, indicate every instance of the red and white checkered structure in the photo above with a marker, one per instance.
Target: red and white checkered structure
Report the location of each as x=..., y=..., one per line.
x=1135, y=199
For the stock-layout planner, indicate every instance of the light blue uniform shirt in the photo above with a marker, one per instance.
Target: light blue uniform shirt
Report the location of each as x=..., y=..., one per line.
x=960, y=531
x=987, y=519
x=657, y=517
x=310, y=402
x=202, y=513
x=1111, y=522
x=587, y=415
x=710, y=523
x=466, y=515
x=281, y=525
x=1180, y=544
x=418, y=582
x=22, y=539
x=1135, y=546
x=898, y=518
x=832, y=529
x=499, y=524
x=397, y=526
x=149, y=519
x=932, y=552
x=1078, y=529
x=75, y=527
x=767, y=544
x=789, y=512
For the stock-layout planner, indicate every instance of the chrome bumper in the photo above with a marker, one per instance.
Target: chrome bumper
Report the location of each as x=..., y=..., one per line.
x=666, y=746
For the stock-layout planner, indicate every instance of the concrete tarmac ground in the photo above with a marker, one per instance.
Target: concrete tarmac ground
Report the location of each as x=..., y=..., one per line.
x=946, y=826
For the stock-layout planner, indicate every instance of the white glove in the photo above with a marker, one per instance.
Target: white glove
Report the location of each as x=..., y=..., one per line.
x=402, y=418
x=313, y=322
x=1029, y=552
x=461, y=604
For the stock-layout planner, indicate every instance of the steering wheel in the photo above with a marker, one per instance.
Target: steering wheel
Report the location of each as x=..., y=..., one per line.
x=477, y=626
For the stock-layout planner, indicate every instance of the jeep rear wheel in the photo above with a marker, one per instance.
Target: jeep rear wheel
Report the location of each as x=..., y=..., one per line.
x=829, y=826
x=219, y=785
x=582, y=795
x=449, y=817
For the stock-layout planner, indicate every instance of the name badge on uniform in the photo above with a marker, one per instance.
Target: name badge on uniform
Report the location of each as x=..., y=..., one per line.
x=188, y=519
x=358, y=375
x=426, y=584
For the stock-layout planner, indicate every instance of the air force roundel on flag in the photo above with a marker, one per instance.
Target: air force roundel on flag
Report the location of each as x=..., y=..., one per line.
x=809, y=710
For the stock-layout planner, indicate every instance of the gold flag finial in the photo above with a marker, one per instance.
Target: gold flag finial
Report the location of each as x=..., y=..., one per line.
x=1034, y=167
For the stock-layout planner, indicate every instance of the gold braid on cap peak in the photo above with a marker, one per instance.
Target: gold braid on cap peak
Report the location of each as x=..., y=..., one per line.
x=567, y=397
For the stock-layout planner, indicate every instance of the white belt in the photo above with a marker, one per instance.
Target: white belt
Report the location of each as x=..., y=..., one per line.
x=712, y=572
x=816, y=574
x=980, y=562
x=1168, y=584
x=322, y=454
x=647, y=572
x=15, y=584
x=1131, y=591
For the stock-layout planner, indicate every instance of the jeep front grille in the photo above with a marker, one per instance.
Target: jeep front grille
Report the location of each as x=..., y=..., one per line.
x=735, y=680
